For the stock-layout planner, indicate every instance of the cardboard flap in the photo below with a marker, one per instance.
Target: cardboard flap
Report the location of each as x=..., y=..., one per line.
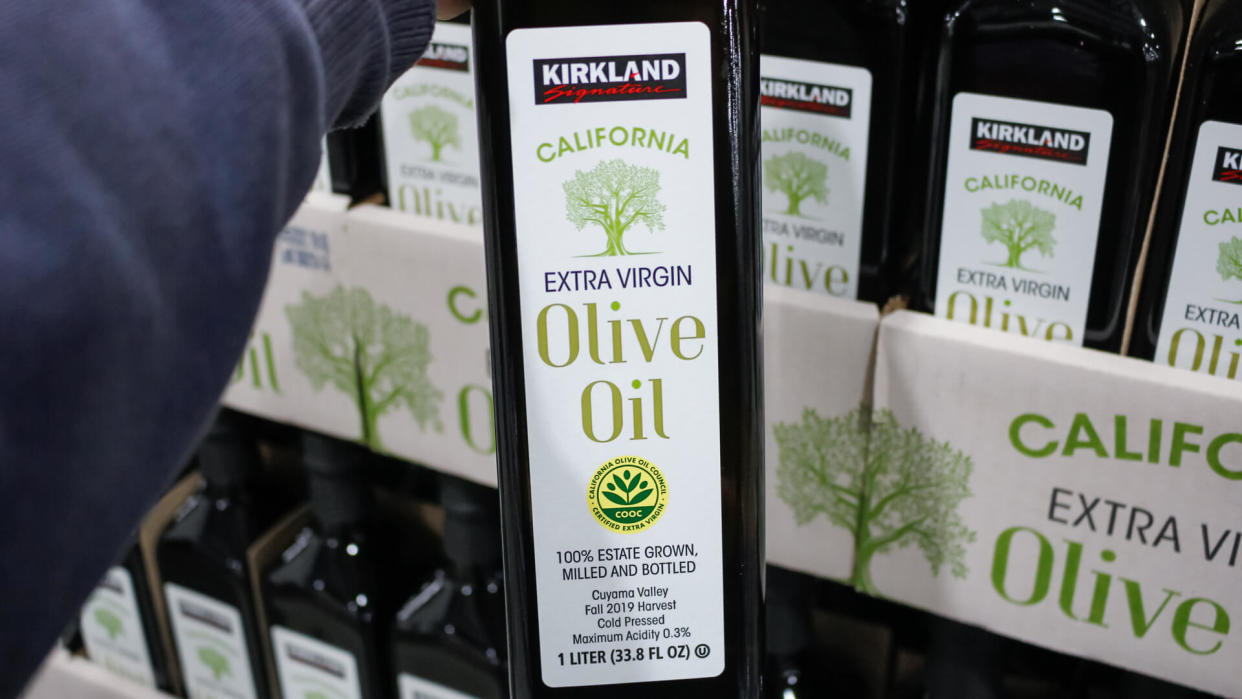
x=148, y=535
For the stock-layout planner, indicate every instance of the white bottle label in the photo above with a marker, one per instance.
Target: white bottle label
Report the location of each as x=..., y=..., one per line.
x=411, y=687
x=431, y=138
x=1023, y=195
x=612, y=140
x=112, y=628
x=211, y=645
x=815, y=120
x=311, y=669
x=1201, y=329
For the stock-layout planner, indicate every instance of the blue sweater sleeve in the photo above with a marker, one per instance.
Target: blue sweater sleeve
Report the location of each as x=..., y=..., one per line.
x=151, y=150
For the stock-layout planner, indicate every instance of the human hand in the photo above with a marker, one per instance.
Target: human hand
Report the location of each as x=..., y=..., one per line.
x=448, y=9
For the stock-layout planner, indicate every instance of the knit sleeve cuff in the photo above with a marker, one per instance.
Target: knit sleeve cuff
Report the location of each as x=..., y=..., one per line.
x=365, y=45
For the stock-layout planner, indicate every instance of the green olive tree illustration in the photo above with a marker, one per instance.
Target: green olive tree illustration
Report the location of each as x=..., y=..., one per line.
x=373, y=354
x=1019, y=226
x=214, y=661
x=1229, y=264
x=109, y=621
x=614, y=195
x=798, y=177
x=437, y=127
x=888, y=486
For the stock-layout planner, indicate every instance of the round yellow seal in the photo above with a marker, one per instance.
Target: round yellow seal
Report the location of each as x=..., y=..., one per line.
x=627, y=494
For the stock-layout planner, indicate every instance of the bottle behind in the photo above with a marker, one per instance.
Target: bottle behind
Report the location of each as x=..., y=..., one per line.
x=448, y=639
x=118, y=625
x=1049, y=121
x=206, y=578
x=355, y=162
x=430, y=132
x=329, y=596
x=1188, y=314
x=836, y=94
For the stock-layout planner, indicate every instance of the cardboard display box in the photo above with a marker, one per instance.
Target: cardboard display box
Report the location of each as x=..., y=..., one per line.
x=1073, y=499
x=374, y=329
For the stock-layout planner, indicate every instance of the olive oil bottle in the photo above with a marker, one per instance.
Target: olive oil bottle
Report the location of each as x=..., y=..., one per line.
x=620, y=151
x=1190, y=310
x=429, y=126
x=448, y=639
x=118, y=625
x=202, y=560
x=329, y=597
x=835, y=95
x=1049, y=122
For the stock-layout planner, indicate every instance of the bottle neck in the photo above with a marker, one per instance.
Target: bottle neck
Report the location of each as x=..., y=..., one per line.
x=338, y=503
x=472, y=544
x=790, y=605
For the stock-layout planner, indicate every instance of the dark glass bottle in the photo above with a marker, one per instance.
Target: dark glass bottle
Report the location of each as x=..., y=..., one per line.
x=203, y=564
x=449, y=636
x=430, y=137
x=1029, y=227
x=119, y=628
x=618, y=139
x=866, y=47
x=1198, y=216
x=355, y=161
x=328, y=597
x=792, y=671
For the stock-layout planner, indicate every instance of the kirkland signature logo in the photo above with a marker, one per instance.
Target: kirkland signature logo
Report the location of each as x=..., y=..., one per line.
x=1030, y=141
x=1228, y=165
x=446, y=56
x=806, y=97
x=659, y=76
x=315, y=660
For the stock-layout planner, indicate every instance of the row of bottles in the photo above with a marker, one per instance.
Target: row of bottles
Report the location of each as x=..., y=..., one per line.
x=342, y=584
x=993, y=162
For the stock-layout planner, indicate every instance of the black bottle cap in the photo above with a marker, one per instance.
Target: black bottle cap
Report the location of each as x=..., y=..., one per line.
x=471, y=522
x=340, y=492
x=228, y=456
x=789, y=611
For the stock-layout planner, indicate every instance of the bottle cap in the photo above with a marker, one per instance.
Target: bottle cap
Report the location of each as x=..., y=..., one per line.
x=340, y=493
x=789, y=610
x=228, y=456
x=328, y=456
x=471, y=522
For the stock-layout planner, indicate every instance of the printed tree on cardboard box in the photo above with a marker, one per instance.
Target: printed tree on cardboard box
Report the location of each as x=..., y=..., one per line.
x=614, y=195
x=373, y=354
x=1019, y=226
x=798, y=177
x=889, y=486
x=1229, y=264
x=437, y=127
x=109, y=621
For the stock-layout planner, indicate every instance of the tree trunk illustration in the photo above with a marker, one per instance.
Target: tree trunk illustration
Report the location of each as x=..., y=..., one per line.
x=435, y=151
x=860, y=576
x=795, y=205
x=1015, y=257
x=366, y=409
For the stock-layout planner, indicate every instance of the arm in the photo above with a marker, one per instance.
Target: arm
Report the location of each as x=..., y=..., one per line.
x=151, y=150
